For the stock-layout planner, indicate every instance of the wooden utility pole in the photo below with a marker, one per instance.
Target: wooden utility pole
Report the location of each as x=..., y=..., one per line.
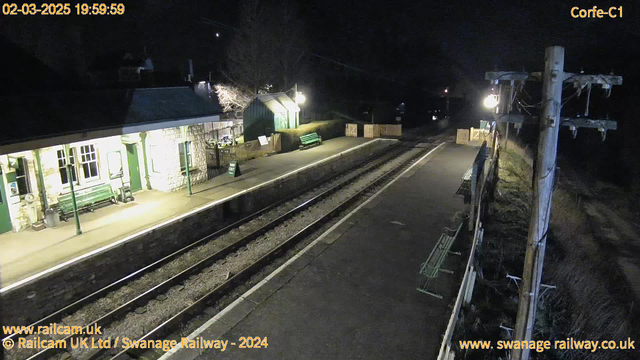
x=544, y=173
x=549, y=122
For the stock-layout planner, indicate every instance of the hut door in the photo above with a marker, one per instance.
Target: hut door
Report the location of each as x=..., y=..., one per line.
x=134, y=168
x=5, y=219
x=281, y=121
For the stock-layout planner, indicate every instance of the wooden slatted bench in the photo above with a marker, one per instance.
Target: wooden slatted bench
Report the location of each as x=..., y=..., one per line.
x=309, y=140
x=86, y=199
x=433, y=266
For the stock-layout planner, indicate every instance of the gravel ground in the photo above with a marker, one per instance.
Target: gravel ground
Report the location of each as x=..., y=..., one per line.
x=153, y=313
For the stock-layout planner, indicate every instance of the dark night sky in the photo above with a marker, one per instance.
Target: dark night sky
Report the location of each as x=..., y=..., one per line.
x=404, y=48
x=403, y=40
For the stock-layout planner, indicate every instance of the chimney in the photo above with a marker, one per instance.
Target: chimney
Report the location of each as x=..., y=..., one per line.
x=190, y=71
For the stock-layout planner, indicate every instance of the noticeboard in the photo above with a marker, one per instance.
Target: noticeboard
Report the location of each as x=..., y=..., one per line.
x=234, y=169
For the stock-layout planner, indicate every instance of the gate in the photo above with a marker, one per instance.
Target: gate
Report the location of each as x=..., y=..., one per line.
x=351, y=130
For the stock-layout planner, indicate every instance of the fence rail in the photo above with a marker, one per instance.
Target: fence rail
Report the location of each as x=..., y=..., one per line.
x=221, y=157
x=485, y=176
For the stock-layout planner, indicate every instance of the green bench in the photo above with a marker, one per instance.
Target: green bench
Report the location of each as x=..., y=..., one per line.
x=86, y=199
x=433, y=266
x=310, y=140
x=465, y=187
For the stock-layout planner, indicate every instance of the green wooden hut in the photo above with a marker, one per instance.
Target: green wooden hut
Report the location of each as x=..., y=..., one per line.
x=269, y=113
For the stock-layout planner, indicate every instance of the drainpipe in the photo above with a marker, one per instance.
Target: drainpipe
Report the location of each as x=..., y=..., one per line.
x=186, y=158
x=143, y=138
x=43, y=191
x=73, y=194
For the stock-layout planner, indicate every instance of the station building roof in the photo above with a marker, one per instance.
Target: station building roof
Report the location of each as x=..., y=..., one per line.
x=35, y=118
x=278, y=102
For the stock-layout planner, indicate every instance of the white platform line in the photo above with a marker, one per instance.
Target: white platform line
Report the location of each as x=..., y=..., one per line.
x=174, y=219
x=243, y=297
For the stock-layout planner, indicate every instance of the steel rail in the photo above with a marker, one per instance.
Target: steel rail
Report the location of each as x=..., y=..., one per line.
x=76, y=305
x=219, y=255
x=218, y=292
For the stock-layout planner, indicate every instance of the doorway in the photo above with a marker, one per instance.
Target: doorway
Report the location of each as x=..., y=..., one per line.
x=5, y=218
x=134, y=168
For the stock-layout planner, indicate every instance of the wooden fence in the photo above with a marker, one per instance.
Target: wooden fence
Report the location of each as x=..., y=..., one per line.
x=371, y=131
x=378, y=130
x=479, y=134
x=484, y=178
x=390, y=130
x=220, y=158
x=462, y=137
x=351, y=130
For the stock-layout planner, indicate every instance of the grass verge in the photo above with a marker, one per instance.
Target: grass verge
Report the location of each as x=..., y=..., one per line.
x=587, y=303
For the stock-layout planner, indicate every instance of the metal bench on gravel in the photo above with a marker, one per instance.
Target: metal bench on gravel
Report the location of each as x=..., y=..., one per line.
x=310, y=140
x=433, y=266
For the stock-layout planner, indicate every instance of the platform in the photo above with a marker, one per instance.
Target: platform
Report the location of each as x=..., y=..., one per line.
x=29, y=252
x=351, y=294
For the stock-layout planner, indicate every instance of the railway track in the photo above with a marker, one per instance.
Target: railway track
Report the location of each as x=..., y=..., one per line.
x=213, y=263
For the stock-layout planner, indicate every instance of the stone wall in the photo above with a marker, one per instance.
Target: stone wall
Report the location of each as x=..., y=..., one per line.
x=167, y=175
x=164, y=159
x=44, y=295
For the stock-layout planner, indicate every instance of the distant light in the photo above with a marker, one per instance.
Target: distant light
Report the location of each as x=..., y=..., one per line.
x=300, y=99
x=217, y=34
x=446, y=91
x=491, y=101
x=201, y=82
x=434, y=118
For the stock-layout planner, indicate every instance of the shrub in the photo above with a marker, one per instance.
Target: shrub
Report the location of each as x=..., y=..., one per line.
x=327, y=129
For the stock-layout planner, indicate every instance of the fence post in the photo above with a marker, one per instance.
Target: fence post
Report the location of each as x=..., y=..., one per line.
x=474, y=177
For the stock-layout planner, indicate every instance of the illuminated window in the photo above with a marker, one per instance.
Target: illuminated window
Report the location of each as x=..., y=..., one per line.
x=22, y=176
x=181, y=152
x=89, y=161
x=62, y=166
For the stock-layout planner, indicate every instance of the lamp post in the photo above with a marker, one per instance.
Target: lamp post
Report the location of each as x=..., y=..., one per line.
x=298, y=98
x=446, y=95
x=73, y=194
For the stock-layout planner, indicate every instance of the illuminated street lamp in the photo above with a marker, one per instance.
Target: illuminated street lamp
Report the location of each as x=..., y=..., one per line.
x=446, y=95
x=491, y=101
x=300, y=99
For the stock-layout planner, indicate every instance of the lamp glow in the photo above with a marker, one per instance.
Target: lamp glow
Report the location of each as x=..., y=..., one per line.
x=300, y=99
x=491, y=101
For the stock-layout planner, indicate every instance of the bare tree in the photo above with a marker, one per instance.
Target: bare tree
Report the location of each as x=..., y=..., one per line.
x=250, y=57
x=232, y=98
x=291, y=43
x=269, y=48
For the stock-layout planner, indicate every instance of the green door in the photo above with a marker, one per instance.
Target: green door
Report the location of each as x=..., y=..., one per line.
x=5, y=219
x=134, y=168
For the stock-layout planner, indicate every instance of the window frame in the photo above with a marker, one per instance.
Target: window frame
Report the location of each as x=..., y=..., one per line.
x=181, y=147
x=152, y=151
x=86, y=159
x=74, y=166
x=23, y=166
